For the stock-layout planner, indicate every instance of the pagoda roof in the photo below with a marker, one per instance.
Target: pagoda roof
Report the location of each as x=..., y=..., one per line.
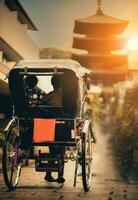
x=109, y=77
x=103, y=43
x=103, y=61
x=100, y=24
x=102, y=19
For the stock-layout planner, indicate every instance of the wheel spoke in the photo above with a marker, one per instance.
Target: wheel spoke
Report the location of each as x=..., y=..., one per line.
x=86, y=160
x=11, y=176
x=11, y=154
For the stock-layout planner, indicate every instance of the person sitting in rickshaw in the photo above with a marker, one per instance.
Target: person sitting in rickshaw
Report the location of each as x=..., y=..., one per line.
x=54, y=98
x=33, y=97
x=33, y=93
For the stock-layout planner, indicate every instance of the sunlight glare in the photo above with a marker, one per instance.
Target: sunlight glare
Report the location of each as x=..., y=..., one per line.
x=133, y=44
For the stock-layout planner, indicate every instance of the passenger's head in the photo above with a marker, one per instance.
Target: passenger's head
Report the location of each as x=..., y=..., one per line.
x=55, y=81
x=31, y=81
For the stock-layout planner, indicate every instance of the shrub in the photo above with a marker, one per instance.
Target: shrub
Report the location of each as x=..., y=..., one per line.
x=125, y=137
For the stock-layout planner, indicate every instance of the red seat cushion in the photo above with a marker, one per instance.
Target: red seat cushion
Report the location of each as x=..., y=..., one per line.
x=44, y=130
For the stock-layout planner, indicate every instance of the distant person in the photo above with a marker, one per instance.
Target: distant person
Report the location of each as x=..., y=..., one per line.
x=33, y=93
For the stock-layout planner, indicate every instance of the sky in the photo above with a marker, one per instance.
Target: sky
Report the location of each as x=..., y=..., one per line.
x=55, y=18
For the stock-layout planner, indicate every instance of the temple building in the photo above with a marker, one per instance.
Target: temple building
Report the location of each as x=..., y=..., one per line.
x=98, y=35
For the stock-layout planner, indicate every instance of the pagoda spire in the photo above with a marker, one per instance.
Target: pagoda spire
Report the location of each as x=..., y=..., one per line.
x=99, y=11
x=99, y=4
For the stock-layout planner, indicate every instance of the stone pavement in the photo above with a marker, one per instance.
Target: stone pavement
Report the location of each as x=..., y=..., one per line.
x=106, y=183
x=32, y=186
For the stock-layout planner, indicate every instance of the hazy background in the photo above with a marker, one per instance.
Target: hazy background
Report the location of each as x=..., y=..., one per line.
x=55, y=18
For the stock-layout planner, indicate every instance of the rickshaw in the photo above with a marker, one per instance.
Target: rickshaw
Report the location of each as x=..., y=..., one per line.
x=68, y=119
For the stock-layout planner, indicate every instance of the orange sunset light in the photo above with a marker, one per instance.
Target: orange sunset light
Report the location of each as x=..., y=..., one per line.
x=132, y=44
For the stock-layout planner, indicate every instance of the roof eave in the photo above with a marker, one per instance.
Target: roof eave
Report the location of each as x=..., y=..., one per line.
x=15, y=5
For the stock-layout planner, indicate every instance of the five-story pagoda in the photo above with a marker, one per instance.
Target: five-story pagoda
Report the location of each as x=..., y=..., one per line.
x=99, y=37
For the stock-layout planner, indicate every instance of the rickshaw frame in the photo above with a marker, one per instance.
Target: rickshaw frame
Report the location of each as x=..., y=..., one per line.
x=12, y=152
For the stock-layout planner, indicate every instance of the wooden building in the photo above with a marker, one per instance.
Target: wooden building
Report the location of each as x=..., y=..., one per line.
x=99, y=37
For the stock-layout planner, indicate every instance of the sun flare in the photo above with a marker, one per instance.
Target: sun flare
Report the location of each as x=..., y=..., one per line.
x=133, y=44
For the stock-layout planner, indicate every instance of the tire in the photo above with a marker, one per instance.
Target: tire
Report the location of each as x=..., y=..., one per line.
x=11, y=159
x=86, y=160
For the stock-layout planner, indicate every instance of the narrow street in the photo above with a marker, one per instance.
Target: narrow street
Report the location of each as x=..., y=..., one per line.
x=68, y=65
x=106, y=183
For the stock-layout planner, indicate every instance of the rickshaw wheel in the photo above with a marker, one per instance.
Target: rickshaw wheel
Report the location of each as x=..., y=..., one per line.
x=11, y=159
x=86, y=160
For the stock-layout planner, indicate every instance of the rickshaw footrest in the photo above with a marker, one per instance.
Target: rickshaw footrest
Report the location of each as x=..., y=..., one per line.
x=44, y=167
x=47, y=156
x=56, y=144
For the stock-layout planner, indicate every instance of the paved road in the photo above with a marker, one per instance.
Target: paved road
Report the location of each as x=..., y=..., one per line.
x=106, y=183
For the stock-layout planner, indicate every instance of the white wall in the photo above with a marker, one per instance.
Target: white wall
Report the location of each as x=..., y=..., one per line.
x=15, y=34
